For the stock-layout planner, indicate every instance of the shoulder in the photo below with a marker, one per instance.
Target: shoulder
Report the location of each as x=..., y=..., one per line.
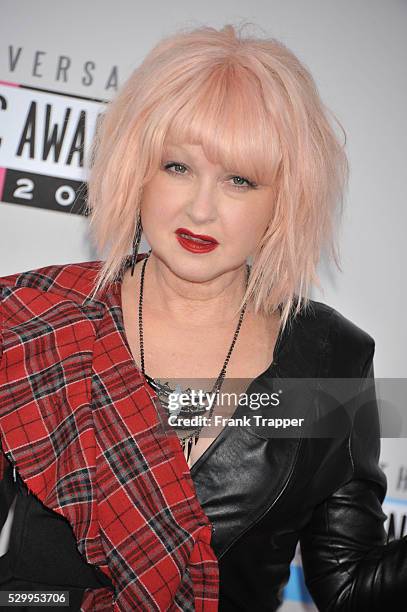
x=349, y=346
x=49, y=297
x=324, y=340
x=70, y=280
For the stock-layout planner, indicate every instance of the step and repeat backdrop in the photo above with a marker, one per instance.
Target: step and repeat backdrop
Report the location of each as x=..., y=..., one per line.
x=60, y=65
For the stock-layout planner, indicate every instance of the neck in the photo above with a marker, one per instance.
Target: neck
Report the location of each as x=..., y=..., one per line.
x=212, y=302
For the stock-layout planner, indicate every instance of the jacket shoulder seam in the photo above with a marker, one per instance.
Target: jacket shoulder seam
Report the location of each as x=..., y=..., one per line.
x=47, y=279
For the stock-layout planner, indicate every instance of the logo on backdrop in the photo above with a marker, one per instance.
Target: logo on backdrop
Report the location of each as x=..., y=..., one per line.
x=395, y=502
x=45, y=139
x=62, y=69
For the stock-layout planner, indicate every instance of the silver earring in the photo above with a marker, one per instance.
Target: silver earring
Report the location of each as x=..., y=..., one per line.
x=136, y=243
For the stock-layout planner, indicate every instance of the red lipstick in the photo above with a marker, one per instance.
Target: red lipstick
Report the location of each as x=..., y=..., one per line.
x=195, y=243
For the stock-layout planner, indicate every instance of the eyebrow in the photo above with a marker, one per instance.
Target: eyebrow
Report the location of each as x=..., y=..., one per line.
x=173, y=146
x=174, y=149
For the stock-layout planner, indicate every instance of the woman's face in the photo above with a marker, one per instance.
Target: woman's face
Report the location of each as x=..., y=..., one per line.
x=191, y=193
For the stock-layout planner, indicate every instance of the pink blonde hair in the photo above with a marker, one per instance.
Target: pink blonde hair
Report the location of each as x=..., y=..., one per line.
x=251, y=104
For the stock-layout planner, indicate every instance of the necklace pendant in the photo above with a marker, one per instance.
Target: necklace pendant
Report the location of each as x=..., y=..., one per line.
x=187, y=446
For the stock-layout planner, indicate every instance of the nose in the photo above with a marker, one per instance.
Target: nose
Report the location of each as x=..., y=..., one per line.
x=202, y=206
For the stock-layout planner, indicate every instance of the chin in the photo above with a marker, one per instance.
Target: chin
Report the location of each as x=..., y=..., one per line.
x=198, y=272
x=192, y=268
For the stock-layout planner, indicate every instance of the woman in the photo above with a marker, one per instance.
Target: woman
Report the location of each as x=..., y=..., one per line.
x=219, y=148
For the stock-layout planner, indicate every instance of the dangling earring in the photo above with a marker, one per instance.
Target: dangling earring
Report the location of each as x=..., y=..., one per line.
x=136, y=242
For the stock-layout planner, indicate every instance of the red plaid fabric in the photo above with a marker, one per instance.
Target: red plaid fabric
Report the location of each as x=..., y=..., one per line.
x=82, y=427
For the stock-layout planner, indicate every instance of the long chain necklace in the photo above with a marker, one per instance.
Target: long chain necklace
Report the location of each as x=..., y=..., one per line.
x=188, y=436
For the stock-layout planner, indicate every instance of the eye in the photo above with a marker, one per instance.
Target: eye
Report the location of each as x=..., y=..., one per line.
x=178, y=168
x=243, y=183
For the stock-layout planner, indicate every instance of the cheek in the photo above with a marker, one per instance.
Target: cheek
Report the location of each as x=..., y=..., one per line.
x=159, y=203
x=254, y=222
x=154, y=204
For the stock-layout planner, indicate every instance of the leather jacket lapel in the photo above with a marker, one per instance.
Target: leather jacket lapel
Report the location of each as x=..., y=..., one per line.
x=235, y=456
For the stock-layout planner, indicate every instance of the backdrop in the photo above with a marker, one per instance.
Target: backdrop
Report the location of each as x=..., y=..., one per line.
x=60, y=63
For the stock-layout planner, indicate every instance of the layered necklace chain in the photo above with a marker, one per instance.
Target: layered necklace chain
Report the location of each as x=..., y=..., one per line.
x=188, y=436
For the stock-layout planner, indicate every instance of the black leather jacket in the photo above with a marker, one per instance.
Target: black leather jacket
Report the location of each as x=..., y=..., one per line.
x=264, y=494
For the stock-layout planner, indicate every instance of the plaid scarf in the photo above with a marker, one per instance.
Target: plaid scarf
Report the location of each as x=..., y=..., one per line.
x=82, y=428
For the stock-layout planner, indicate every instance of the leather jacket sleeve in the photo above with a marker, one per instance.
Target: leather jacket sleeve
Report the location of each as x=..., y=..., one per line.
x=348, y=563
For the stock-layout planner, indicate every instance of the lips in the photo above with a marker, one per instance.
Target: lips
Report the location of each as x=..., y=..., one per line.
x=181, y=231
x=195, y=243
